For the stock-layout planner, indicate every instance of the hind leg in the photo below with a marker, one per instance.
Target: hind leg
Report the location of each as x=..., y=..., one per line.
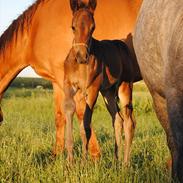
x=59, y=119
x=161, y=112
x=175, y=113
x=93, y=143
x=125, y=95
x=111, y=104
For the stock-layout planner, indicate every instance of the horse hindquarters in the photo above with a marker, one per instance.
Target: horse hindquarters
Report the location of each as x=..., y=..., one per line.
x=174, y=96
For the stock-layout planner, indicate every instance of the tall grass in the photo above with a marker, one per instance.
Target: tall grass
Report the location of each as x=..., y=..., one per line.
x=28, y=134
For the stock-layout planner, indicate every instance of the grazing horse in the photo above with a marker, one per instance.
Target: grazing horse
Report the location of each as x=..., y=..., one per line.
x=92, y=66
x=42, y=40
x=111, y=71
x=158, y=42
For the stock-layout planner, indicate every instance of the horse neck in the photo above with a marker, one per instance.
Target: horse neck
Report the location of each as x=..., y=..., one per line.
x=94, y=46
x=14, y=41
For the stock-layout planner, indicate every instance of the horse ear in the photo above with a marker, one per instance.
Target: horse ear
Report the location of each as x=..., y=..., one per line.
x=92, y=5
x=74, y=5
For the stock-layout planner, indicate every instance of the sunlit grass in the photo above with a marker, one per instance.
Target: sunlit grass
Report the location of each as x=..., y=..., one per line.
x=28, y=134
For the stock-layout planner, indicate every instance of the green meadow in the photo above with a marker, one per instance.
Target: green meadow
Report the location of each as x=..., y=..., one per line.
x=27, y=136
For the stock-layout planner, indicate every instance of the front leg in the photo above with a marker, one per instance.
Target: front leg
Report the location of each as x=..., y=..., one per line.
x=69, y=109
x=59, y=119
x=92, y=94
x=94, y=148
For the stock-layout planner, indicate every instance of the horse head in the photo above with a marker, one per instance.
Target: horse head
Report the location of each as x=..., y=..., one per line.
x=83, y=25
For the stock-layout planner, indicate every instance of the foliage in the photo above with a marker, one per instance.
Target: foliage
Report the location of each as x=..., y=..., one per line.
x=21, y=82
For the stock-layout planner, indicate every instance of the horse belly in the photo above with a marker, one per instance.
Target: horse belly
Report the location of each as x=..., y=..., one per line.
x=151, y=40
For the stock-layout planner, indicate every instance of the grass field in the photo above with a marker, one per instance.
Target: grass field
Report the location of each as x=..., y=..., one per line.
x=28, y=134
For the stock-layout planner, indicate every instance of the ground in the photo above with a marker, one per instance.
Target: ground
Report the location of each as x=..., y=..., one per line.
x=28, y=134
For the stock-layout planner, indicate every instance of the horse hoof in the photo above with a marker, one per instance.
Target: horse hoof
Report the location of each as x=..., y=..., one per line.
x=57, y=150
x=70, y=159
x=94, y=152
x=95, y=156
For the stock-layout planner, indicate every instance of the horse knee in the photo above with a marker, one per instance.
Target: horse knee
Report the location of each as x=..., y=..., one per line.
x=1, y=115
x=69, y=106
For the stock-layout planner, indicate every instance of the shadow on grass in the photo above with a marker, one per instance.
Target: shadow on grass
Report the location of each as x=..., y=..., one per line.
x=43, y=158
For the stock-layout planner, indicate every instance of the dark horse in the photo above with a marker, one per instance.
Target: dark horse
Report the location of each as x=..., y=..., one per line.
x=158, y=43
x=107, y=67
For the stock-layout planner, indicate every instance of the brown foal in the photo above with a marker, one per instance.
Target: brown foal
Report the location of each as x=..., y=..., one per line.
x=92, y=66
x=110, y=70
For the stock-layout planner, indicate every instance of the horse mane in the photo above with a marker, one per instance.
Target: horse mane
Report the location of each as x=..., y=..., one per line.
x=18, y=25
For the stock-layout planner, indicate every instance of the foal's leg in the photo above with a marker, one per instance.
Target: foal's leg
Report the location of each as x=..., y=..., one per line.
x=69, y=109
x=59, y=119
x=93, y=143
x=125, y=95
x=92, y=94
x=110, y=101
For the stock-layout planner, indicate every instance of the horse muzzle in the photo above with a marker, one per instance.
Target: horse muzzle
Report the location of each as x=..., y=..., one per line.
x=82, y=58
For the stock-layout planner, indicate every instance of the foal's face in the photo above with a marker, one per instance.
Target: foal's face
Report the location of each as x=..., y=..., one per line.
x=83, y=25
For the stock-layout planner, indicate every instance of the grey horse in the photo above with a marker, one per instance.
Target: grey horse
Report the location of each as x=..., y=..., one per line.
x=158, y=43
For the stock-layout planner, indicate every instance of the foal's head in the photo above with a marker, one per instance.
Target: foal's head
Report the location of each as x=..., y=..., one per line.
x=83, y=25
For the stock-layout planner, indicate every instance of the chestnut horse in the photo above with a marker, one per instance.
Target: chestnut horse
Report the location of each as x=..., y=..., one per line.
x=42, y=40
x=158, y=43
x=110, y=70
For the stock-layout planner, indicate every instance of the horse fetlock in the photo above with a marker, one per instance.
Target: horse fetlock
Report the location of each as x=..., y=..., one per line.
x=57, y=149
x=70, y=157
x=88, y=133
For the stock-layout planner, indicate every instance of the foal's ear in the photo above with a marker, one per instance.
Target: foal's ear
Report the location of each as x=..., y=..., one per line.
x=92, y=5
x=77, y=4
x=74, y=5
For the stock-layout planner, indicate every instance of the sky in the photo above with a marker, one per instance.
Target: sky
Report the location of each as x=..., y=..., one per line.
x=10, y=10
